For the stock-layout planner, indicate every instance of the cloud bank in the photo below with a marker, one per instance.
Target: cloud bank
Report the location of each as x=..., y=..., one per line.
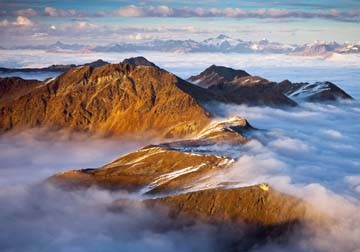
x=185, y=12
x=166, y=11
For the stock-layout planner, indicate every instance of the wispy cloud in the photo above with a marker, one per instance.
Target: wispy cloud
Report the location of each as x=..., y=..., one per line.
x=51, y=12
x=166, y=11
x=26, y=12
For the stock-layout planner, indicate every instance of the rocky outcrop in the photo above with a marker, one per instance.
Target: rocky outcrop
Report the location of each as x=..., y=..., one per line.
x=237, y=219
x=258, y=204
x=253, y=91
x=14, y=87
x=138, y=61
x=313, y=92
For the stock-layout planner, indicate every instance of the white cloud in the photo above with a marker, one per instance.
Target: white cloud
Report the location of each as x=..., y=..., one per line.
x=51, y=11
x=23, y=21
x=27, y=12
x=333, y=133
x=354, y=182
x=290, y=145
x=85, y=25
x=130, y=11
x=167, y=11
x=140, y=36
x=20, y=21
x=4, y=23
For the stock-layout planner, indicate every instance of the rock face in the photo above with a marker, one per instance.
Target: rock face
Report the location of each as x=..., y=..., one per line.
x=238, y=87
x=116, y=99
x=214, y=75
x=251, y=205
x=167, y=167
x=316, y=92
x=97, y=63
x=15, y=87
x=237, y=219
x=253, y=91
x=138, y=61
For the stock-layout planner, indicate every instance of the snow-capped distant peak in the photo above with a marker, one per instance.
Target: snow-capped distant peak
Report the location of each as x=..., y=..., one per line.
x=222, y=36
x=222, y=40
x=322, y=42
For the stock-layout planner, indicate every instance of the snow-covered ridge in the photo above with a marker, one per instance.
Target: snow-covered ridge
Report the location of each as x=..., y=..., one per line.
x=221, y=43
x=310, y=89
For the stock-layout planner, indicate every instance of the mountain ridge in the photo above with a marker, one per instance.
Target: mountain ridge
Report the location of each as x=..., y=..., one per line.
x=221, y=43
x=138, y=96
x=88, y=98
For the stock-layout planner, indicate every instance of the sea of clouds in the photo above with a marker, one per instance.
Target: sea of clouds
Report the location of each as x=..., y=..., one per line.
x=311, y=151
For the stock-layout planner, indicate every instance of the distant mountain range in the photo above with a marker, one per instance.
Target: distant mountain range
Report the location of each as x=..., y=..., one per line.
x=59, y=68
x=221, y=43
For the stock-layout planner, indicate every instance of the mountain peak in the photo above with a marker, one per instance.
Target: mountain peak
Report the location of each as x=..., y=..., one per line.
x=58, y=43
x=97, y=63
x=138, y=61
x=217, y=74
x=113, y=99
x=222, y=36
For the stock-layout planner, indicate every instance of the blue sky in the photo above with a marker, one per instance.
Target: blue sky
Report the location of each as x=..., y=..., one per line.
x=101, y=22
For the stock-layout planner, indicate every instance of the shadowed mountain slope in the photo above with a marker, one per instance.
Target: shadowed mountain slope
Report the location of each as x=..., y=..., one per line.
x=239, y=87
x=259, y=204
x=15, y=87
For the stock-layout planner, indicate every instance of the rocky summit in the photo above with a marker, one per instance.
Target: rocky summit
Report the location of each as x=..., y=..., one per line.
x=257, y=204
x=252, y=91
x=313, y=92
x=114, y=98
x=239, y=87
x=214, y=75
